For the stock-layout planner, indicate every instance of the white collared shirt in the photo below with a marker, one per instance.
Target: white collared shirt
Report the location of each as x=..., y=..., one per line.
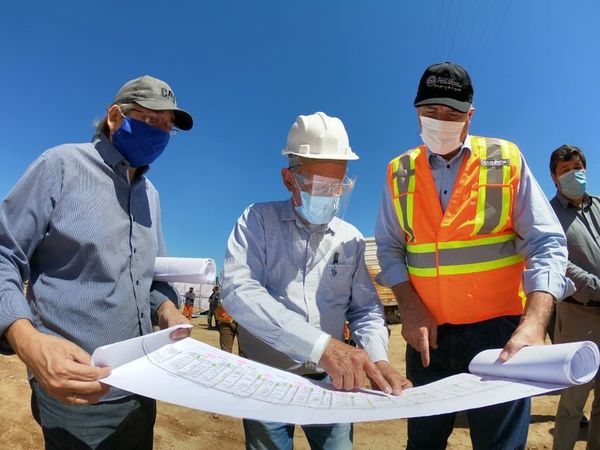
x=291, y=286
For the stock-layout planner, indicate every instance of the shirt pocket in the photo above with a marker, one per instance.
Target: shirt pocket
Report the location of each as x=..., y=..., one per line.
x=337, y=283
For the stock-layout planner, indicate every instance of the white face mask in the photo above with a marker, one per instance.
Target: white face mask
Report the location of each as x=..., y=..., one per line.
x=441, y=136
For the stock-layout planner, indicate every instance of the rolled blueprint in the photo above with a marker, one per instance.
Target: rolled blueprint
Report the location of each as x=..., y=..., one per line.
x=185, y=270
x=572, y=363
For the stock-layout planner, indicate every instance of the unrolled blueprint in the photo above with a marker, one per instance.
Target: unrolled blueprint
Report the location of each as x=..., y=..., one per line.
x=193, y=374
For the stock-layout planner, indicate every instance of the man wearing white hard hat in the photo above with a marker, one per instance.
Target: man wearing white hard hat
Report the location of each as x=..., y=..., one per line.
x=295, y=272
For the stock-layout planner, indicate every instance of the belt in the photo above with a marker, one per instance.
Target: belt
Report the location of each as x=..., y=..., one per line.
x=592, y=303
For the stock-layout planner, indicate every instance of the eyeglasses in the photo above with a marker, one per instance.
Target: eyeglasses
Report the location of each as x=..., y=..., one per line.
x=157, y=120
x=323, y=186
x=568, y=156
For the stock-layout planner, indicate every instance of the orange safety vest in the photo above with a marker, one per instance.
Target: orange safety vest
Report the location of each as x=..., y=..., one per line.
x=222, y=315
x=462, y=262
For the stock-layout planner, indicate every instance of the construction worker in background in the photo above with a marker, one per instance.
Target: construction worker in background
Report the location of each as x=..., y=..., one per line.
x=213, y=301
x=294, y=273
x=577, y=316
x=464, y=235
x=228, y=328
x=188, y=307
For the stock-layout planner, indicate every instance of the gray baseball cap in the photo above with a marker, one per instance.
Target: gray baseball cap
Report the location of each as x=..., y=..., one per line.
x=154, y=94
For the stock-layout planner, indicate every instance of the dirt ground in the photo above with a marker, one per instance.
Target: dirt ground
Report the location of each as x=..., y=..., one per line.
x=180, y=428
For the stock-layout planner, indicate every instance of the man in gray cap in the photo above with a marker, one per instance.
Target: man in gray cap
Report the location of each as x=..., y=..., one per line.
x=82, y=226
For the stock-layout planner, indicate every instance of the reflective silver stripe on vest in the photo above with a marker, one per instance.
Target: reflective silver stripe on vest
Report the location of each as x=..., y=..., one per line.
x=461, y=255
x=421, y=260
x=403, y=176
x=493, y=194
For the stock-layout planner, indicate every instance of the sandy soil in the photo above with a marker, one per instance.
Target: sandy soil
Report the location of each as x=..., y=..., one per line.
x=180, y=428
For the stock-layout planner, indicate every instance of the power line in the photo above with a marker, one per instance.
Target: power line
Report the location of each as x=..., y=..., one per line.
x=454, y=33
x=480, y=40
x=495, y=36
x=438, y=34
x=445, y=22
x=469, y=40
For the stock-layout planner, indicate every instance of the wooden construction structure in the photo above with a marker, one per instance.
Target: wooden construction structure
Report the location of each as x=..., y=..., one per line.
x=385, y=294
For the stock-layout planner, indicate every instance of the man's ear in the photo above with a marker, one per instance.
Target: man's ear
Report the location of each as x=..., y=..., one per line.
x=114, y=118
x=290, y=184
x=288, y=178
x=465, y=131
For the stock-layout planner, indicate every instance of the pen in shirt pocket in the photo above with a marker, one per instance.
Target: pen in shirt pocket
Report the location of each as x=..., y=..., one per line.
x=336, y=255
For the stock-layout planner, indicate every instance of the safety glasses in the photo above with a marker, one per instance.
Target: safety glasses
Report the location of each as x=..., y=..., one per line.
x=324, y=186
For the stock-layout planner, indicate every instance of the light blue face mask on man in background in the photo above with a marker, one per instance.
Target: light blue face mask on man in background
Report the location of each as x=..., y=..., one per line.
x=573, y=184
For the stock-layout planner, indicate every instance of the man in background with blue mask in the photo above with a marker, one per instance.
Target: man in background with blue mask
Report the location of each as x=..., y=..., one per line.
x=82, y=226
x=465, y=235
x=577, y=316
x=294, y=273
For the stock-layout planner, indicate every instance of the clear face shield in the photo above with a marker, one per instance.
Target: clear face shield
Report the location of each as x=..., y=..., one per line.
x=322, y=198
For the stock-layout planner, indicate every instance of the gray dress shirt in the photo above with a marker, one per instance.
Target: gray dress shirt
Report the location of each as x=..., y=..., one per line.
x=582, y=227
x=86, y=239
x=287, y=284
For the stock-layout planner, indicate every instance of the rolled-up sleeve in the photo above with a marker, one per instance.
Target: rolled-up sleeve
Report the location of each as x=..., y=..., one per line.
x=391, y=244
x=24, y=217
x=247, y=300
x=587, y=284
x=541, y=240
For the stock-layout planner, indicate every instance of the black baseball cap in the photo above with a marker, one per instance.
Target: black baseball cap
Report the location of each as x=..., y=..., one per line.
x=154, y=94
x=445, y=84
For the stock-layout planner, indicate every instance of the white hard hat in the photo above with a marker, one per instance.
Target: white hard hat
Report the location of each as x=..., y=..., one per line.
x=319, y=136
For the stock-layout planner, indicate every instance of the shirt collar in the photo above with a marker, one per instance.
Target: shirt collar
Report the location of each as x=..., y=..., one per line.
x=564, y=202
x=113, y=157
x=466, y=148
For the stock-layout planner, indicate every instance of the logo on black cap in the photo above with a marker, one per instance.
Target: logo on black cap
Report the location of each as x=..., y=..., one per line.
x=445, y=84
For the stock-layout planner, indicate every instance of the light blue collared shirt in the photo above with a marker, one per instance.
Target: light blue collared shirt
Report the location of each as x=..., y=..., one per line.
x=86, y=239
x=540, y=238
x=288, y=285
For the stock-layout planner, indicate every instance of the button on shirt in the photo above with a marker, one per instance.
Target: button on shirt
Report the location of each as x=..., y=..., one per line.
x=540, y=239
x=582, y=227
x=289, y=285
x=86, y=239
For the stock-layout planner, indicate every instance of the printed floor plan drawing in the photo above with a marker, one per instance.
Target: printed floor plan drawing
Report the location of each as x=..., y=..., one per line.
x=193, y=374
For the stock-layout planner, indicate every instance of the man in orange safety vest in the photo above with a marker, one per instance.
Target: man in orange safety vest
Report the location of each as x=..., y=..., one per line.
x=473, y=252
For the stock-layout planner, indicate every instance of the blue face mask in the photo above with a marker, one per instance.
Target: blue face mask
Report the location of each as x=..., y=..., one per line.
x=139, y=142
x=317, y=209
x=573, y=184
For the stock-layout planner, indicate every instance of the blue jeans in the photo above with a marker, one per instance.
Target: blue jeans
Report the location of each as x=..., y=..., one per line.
x=503, y=426
x=280, y=436
x=126, y=423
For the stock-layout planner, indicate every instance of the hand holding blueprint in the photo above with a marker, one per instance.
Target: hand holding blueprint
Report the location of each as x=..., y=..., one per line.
x=567, y=364
x=185, y=270
x=193, y=374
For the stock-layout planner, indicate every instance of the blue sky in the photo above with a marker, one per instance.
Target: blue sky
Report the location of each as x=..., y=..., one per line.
x=247, y=69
